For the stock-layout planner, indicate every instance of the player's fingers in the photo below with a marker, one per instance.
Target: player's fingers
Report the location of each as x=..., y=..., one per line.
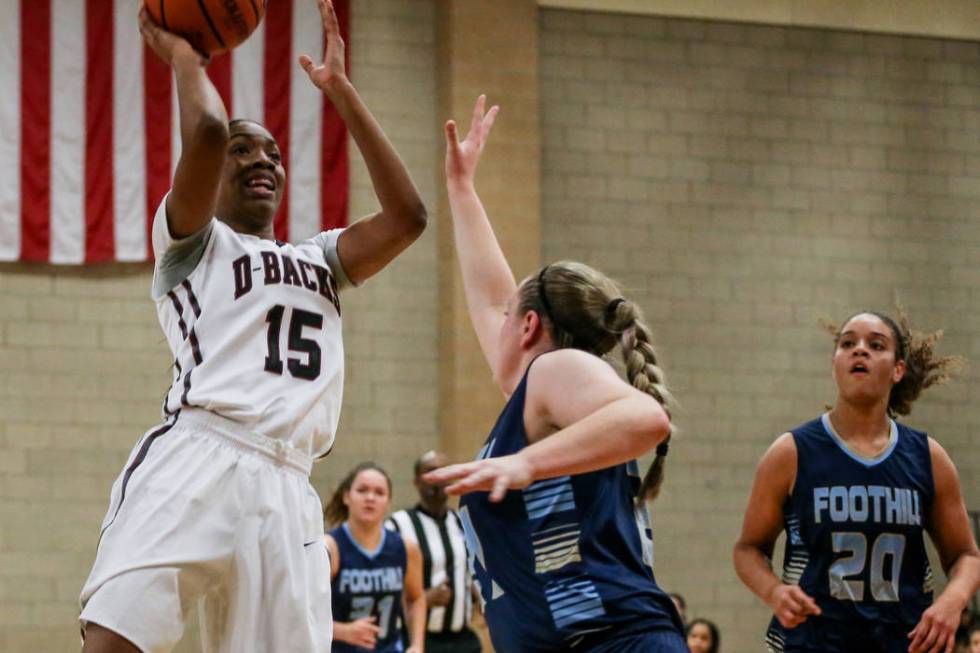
x=925, y=638
x=478, y=479
x=451, y=139
x=789, y=619
x=950, y=643
x=330, y=19
x=793, y=603
x=477, y=118
x=489, y=119
x=809, y=605
x=322, y=7
x=449, y=473
x=462, y=486
x=499, y=488
x=306, y=63
x=943, y=638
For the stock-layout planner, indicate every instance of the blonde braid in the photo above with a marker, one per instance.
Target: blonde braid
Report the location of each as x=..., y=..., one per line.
x=584, y=309
x=646, y=376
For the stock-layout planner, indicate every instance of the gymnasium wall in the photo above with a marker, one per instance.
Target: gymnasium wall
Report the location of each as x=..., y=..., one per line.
x=744, y=182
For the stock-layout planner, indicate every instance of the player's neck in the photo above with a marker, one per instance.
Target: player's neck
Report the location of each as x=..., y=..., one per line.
x=368, y=536
x=258, y=228
x=867, y=424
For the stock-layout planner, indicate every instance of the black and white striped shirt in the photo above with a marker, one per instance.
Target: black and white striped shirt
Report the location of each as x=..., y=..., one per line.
x=443, y=560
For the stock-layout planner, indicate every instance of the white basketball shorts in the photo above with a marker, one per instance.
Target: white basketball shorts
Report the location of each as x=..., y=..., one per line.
x=206, y=510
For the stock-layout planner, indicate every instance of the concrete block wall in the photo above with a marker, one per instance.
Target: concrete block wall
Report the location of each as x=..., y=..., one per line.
x=743, y=182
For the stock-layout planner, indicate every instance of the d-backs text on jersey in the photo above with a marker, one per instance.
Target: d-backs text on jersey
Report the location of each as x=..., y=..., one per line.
x=281, y=268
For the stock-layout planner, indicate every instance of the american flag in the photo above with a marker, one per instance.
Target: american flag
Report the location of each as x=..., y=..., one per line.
x=89, y=134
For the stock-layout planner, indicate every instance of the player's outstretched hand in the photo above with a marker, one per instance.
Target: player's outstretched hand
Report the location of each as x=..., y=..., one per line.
x=167, y=45
x=463, y=157
x=791, y=605
x=936, y=630
x=327, y=74
x=363, y=632
x=493, y=475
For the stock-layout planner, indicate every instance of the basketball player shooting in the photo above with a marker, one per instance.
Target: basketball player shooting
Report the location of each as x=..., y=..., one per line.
x=215, y=502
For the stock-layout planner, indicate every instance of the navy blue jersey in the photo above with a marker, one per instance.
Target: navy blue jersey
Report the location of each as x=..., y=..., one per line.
x=370, y=583
x=566, y=562
x=854, y=534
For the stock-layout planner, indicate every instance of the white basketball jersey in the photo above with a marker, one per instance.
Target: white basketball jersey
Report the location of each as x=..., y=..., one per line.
x=255, y=331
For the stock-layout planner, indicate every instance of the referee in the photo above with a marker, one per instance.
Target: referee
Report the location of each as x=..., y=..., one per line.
x=445, y=573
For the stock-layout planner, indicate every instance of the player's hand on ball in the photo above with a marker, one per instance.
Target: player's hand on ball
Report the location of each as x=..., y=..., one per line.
x=167, y=45
x=363, y=632
x=493, y=475
x=325, y=75
x=463, y=157
x=936, y=630
x=791, y=605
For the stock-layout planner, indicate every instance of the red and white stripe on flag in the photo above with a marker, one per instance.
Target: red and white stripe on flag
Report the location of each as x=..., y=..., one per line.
x=89, y=135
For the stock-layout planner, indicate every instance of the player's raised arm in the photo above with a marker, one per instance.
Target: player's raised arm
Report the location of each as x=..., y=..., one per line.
x=371, y=243
x=487, y=277
x=203, y=132
x=761, y=526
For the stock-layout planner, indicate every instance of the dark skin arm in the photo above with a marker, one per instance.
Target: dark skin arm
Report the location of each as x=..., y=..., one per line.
x=763, y=522
x=369, y=244
x=203, y=132
x=949, y=529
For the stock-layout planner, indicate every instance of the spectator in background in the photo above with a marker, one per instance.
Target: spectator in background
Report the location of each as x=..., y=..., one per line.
x=445, y=573
x=974, y=639
x=703, y=636
x=681, y=606
x=967, y=621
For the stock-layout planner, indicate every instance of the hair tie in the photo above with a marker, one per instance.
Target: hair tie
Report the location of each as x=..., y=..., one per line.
x=663, y=448
x=612, y=306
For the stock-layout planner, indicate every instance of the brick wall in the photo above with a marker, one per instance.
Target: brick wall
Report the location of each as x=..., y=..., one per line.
x=743, y=182
x=83, y=364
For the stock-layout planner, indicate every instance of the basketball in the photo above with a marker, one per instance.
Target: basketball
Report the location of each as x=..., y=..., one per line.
x=211, y=26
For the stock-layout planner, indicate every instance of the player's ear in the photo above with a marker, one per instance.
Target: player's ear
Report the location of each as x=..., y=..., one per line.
x=531, y=329
x=899, y=372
